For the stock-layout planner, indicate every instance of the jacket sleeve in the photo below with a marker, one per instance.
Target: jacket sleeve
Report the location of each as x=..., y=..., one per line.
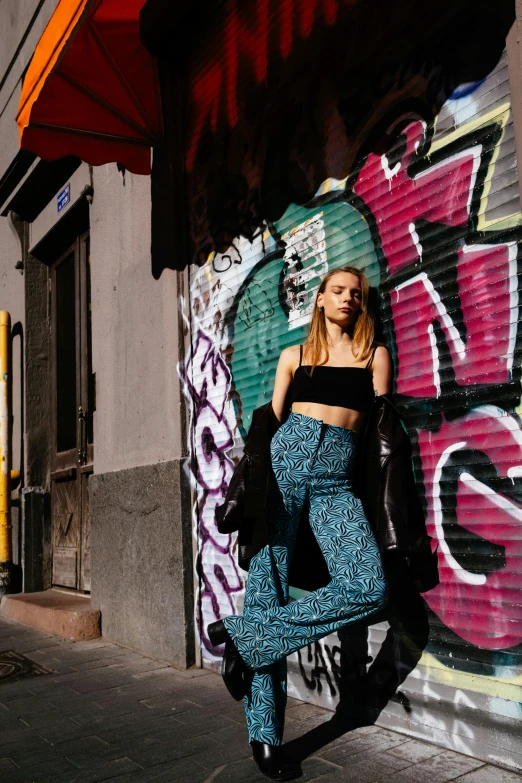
x=230, y=513
x=423, y=561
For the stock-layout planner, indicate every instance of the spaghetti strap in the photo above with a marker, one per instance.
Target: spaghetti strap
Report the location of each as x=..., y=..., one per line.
x=300, y=354
x=370, y=360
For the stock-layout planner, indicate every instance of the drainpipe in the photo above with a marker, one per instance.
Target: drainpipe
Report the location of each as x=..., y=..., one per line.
x=5, y=499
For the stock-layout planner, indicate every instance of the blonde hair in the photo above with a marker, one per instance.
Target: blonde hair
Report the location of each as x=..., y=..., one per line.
x=364, y=330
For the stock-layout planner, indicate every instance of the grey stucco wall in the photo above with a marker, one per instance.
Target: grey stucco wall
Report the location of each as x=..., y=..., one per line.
x=142, y=559
x=22, y=22
x=12, y=300
x=21, y=25
x=20, y=30
x=16, y=19
x=141, y=523
x=135, y=330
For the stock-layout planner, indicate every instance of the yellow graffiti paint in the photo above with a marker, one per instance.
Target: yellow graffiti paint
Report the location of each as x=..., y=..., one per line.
x=475, y=683
x=498, y=116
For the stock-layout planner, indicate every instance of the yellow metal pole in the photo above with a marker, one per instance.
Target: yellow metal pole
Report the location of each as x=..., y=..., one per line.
x=5, y=500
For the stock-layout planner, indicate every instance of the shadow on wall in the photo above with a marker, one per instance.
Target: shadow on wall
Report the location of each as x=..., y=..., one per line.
x=286, y=97
x=363, y=690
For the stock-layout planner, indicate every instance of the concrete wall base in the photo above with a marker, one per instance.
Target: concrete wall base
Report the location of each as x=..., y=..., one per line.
x=142, y=560
x=68, y=615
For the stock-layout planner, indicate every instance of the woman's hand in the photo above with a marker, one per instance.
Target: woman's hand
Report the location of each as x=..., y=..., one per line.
x=288, y=360
x=382, y=370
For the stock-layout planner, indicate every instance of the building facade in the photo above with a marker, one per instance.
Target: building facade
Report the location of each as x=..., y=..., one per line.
x=149, y=314
x=97, y=429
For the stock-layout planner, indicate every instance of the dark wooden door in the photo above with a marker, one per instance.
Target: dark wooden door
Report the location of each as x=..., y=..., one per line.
x=72, y=409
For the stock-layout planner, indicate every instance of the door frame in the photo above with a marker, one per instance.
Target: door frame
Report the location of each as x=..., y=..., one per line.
x=75, y=464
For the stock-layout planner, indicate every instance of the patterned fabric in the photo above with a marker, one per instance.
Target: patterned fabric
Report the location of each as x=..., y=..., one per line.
x=315, y=460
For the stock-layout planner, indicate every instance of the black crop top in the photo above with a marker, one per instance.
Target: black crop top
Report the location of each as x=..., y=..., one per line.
x=347, y=387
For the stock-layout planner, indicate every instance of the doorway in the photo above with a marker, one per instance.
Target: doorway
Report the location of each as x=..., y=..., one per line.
x=73, y=405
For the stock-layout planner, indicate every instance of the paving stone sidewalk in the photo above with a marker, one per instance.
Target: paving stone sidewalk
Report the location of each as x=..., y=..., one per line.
x=107, y=713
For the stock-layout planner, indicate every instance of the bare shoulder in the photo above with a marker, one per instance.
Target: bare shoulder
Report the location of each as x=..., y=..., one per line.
x=289, y=358
x=382, y=355
x=290, y=354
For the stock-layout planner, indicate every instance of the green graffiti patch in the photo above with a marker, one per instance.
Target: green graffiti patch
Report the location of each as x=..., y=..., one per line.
x=273, y=311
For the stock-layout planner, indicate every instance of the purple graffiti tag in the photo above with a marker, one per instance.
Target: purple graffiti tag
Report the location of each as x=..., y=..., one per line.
x=206, y=381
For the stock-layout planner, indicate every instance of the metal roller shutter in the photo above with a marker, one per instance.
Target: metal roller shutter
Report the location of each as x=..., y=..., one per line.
x=435, y=223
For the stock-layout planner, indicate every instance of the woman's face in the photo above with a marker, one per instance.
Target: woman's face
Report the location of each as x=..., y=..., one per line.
x=342, y=298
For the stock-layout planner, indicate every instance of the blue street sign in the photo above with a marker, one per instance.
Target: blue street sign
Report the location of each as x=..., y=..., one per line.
x=63, y=197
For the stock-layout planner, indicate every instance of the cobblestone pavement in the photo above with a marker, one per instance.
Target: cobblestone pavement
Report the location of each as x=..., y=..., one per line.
x=107, y=713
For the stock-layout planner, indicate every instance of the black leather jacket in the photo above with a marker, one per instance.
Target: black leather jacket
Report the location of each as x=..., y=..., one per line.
x=383, y=479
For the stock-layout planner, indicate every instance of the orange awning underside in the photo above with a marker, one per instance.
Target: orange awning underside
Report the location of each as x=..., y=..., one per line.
x=92, y=88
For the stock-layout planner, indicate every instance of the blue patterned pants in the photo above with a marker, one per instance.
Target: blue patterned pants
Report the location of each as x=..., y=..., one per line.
x=314, y=459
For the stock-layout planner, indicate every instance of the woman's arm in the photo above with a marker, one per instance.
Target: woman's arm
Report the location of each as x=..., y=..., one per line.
x=382, y=369
x=284, y=374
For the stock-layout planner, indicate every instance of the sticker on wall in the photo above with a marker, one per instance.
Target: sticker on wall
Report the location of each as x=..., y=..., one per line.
x=305, y=264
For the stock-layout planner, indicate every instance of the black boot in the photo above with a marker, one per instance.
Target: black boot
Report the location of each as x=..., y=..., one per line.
x=271, y=761
x=234, y=670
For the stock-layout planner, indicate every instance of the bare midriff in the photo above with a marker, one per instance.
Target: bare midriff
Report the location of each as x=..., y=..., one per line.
x=331, y=414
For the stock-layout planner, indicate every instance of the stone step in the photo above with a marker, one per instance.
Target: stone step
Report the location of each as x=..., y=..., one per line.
x=68, y=615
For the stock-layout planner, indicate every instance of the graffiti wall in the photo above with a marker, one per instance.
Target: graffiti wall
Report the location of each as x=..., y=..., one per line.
x=433, y=218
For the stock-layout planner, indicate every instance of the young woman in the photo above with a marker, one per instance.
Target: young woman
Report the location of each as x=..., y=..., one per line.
x=335, y=376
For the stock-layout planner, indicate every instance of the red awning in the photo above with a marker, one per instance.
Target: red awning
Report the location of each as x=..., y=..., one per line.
x=92, y=88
